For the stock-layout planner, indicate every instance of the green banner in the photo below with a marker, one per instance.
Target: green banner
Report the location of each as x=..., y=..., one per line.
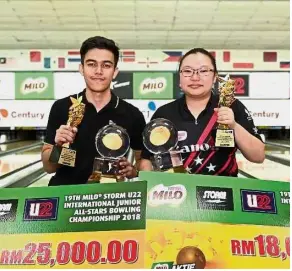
x=192, y=221
x=118, y=206
x=34, y=86
x=217, y=199
x=153, y=85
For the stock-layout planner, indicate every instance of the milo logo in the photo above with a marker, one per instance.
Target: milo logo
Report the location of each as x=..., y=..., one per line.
x=169, y=195
x=162, y=265
x=171, y=265
x=37, y=85
x=156, y=85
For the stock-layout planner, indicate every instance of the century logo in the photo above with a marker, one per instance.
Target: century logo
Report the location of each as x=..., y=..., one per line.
x=31, y=85
x=156, y=85
x=216, y=198
x=3, y=113
x=170, y=195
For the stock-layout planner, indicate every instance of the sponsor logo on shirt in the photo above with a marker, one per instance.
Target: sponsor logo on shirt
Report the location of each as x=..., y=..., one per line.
x=182, y=135
x=196, y=147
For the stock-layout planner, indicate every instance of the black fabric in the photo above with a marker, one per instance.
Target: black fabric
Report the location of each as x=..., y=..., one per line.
x=216, y=164
x=117, y=110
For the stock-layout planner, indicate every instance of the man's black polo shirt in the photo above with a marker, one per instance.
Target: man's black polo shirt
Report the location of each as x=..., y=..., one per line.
x=208, y=160
x=117, y=110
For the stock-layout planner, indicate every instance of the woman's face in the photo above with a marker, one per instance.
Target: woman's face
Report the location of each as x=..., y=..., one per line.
x=200, y=82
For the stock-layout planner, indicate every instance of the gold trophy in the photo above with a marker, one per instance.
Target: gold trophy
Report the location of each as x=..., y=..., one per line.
x=225, y=135
x=64, y=155
x=112, y=142
x=160, y=137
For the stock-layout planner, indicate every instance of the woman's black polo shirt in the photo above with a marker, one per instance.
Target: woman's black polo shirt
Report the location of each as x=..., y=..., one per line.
x=120, y=112
x=208, y=160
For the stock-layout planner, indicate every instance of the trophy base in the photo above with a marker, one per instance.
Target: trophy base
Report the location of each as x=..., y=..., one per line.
x=98, y=177
x=105, y=170
x=168, y=162
x=225, y=138
x=63, y=156
x=180, y=169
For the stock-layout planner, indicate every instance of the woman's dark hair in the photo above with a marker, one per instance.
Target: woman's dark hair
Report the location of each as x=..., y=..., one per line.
x=202, y=51
x=99, y=42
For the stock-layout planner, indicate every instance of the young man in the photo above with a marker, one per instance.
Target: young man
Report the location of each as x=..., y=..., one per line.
x=99, y=58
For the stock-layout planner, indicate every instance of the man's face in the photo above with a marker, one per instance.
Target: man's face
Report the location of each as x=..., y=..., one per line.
x=98, y=69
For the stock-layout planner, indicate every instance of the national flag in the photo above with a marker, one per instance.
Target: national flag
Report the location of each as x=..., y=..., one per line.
x=226, y=56
x=173, y=56
x=61, y=62
x=47, y=62
x=148, y=62
x=243, y=65
x=213, y=54
x=128, y=56
x=270, y=56
x=35, y=56
x=74, y=56
x=285, y=64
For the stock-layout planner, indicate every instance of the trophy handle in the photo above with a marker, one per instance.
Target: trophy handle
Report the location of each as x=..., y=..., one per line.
x=223, y=126
x=66, y=145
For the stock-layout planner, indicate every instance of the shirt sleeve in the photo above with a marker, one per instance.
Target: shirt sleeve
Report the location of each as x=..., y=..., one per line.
x=243, y=117
x=54, y=123
x=136, y=140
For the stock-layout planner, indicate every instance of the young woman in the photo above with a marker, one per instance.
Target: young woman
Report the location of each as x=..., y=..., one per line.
x=192, y=115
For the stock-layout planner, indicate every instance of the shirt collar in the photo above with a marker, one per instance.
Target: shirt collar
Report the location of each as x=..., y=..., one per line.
x=212, y=103
x=113, y=103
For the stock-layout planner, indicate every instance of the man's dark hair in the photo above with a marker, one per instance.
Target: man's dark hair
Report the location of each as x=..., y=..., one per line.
x=202, y=51
x=99, y=42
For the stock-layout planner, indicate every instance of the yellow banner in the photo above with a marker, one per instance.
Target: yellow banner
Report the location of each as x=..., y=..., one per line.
x=169, y=244
x=106, y=250
x=177, y=245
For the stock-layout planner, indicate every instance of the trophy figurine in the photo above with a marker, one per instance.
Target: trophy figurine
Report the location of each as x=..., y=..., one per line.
x=112, y=142
x=160, y=137
x=64, y=155
x=225, y=135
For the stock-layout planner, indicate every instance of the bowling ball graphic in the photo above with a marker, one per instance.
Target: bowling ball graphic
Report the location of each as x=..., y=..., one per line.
x=191, y=255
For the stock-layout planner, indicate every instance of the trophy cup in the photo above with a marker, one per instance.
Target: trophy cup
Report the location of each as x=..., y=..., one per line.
x=112, y=142
x=225, y=135
x=64, y=155
x=160, y=137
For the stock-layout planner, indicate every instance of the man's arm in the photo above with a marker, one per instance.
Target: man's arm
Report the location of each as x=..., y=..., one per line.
x=65, y=134
x=48, y=166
